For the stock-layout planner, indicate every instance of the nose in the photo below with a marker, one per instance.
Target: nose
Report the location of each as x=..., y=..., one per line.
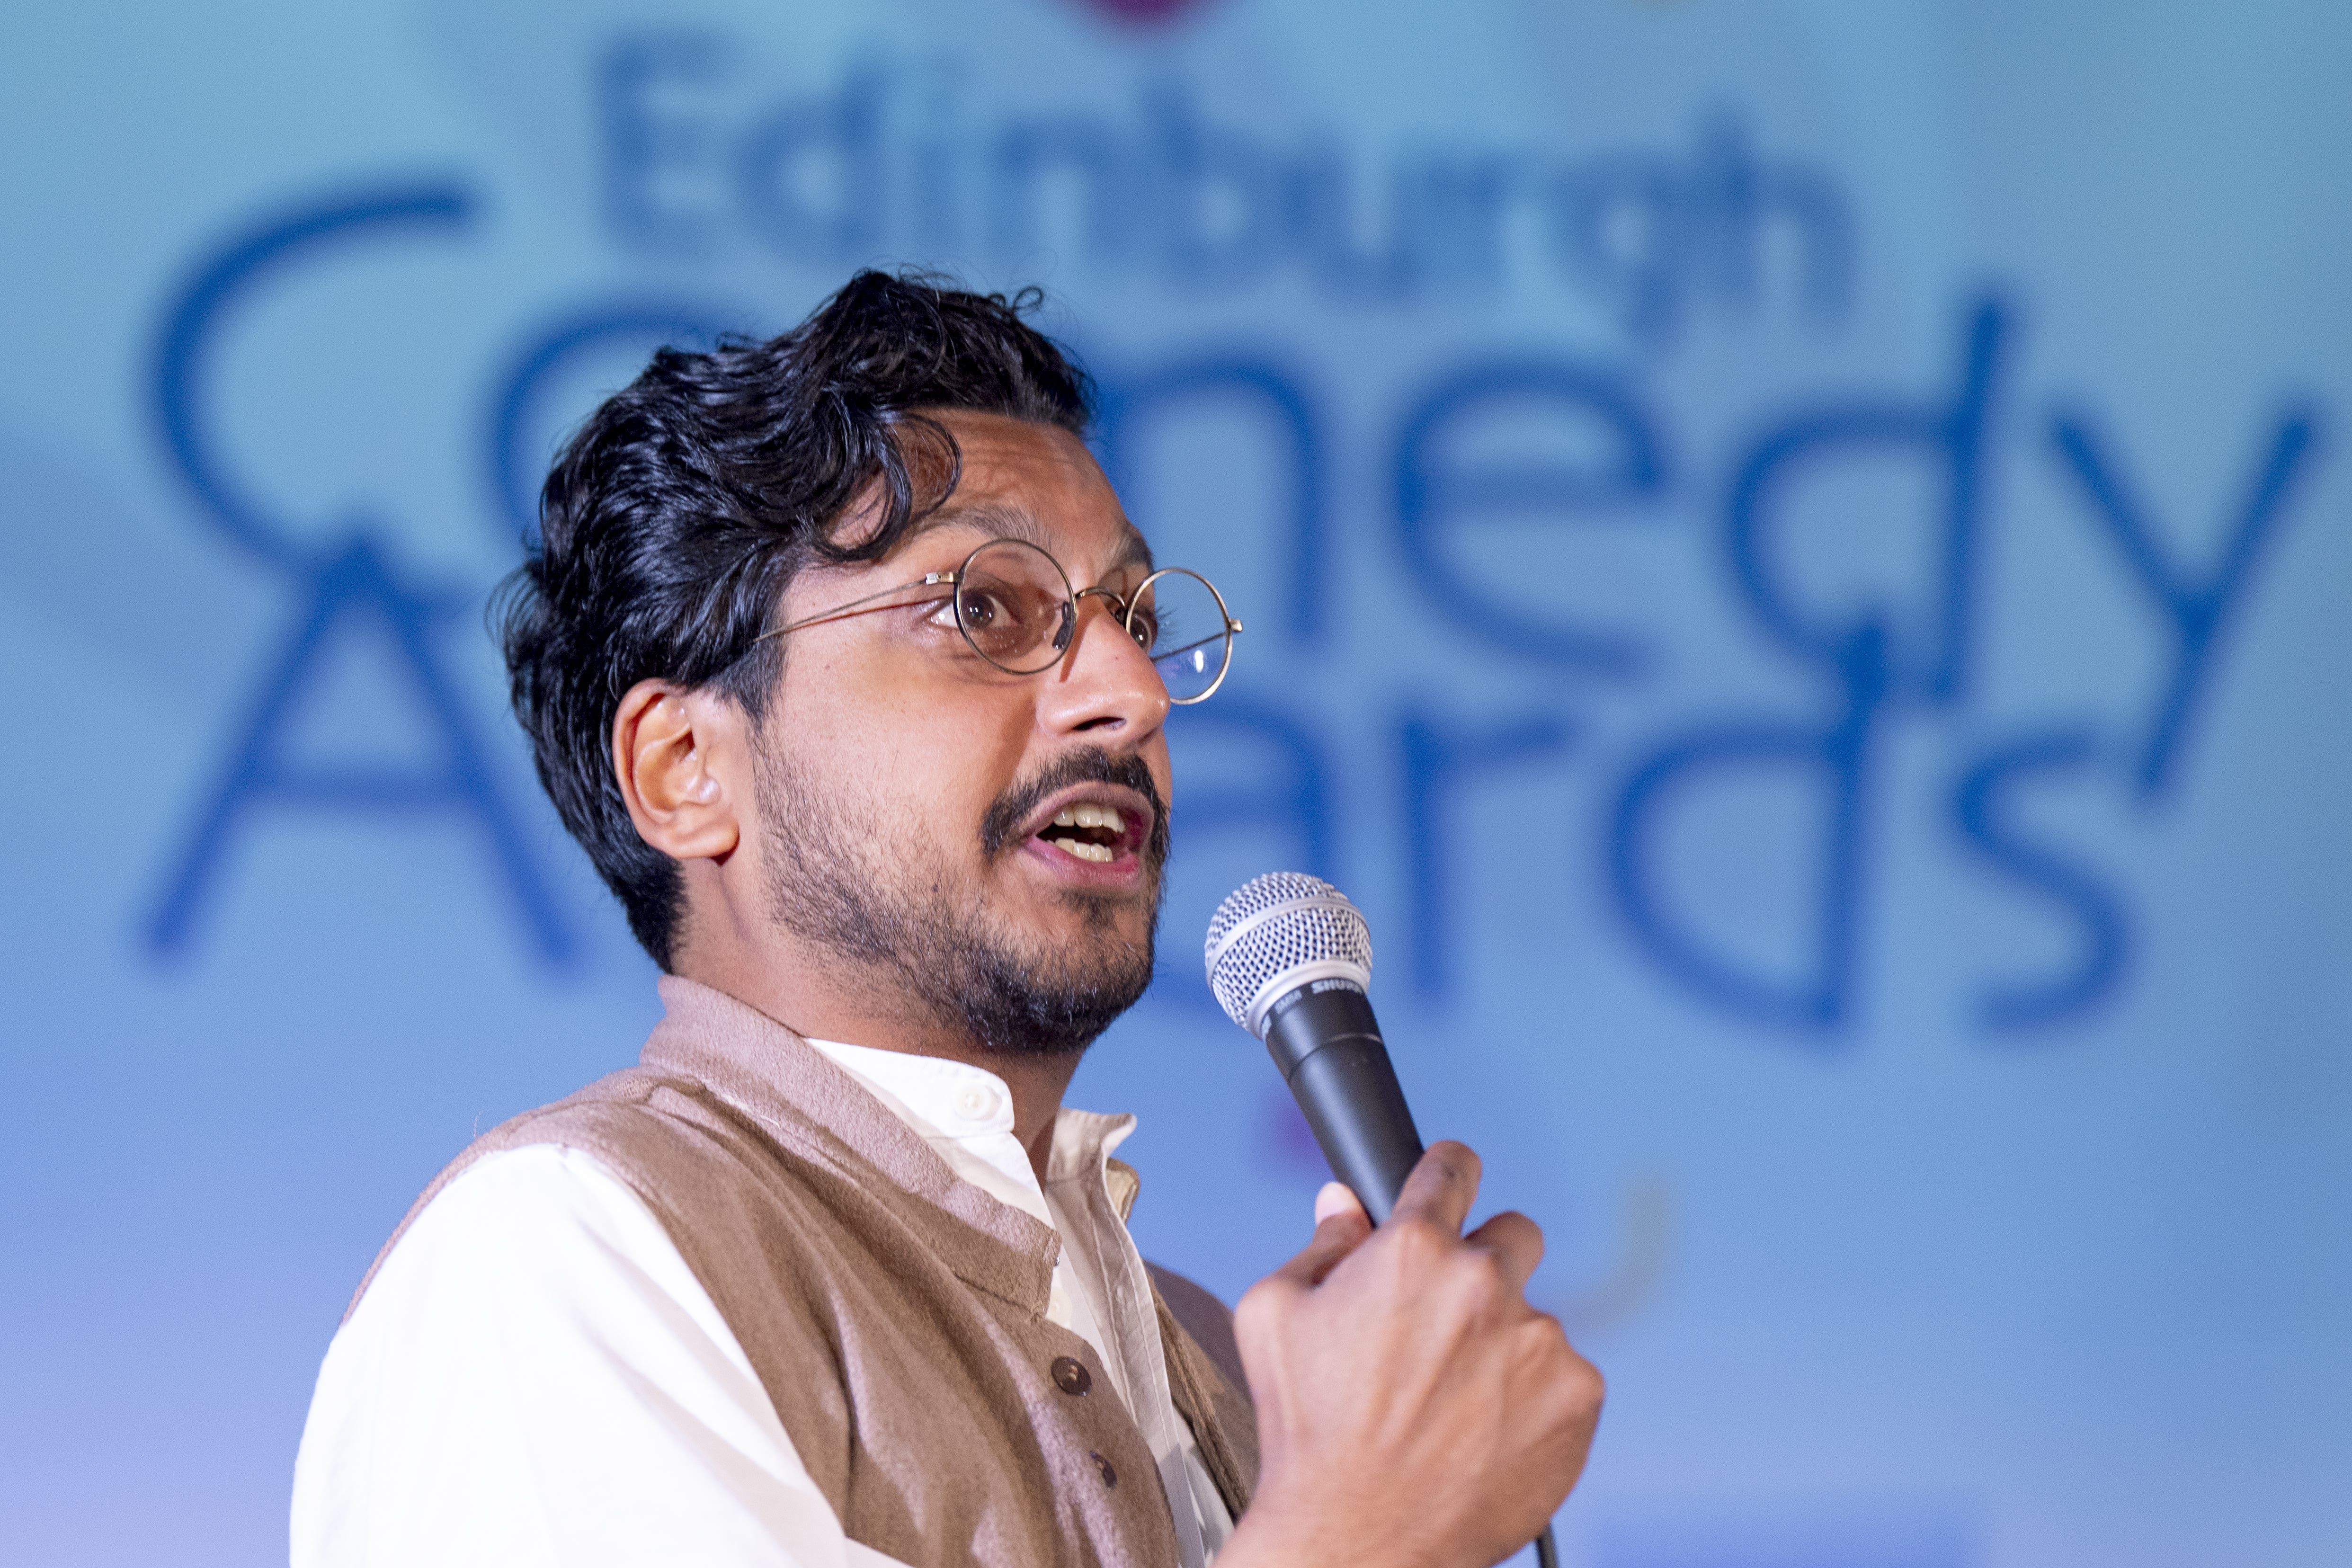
x=1105, y=686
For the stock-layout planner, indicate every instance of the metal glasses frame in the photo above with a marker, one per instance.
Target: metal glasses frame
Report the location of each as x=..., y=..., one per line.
x=1125, y=606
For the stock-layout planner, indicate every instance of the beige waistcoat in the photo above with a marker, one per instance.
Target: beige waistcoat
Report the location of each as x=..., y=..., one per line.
x=894, y=1314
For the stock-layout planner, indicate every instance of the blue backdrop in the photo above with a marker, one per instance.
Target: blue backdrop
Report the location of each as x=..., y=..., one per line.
x=1795, y=556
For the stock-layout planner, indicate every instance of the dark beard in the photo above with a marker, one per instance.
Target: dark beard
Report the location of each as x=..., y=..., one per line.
x=830, y=883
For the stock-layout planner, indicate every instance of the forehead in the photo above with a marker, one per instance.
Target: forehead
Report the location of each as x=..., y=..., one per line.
x=1037, y=483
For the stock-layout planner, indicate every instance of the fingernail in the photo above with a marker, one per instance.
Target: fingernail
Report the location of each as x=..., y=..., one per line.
x=1335, y=1198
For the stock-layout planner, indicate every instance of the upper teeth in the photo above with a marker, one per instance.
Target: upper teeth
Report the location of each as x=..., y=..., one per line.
x=1086, y=814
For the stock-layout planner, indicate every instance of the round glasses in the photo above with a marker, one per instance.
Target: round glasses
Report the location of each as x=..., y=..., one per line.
x=1015, y=607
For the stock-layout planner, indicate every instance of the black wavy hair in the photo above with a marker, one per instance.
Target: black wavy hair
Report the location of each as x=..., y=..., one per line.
x=672, y=521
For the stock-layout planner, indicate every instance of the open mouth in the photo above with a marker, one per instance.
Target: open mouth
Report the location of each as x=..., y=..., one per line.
x=1093, y=822
x=1089, y=830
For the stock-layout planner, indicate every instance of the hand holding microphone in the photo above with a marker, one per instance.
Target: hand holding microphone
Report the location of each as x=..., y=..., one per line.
x=1413, y=1408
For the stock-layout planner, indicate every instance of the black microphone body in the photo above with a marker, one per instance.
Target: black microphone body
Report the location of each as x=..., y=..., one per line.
x=1324, y=1038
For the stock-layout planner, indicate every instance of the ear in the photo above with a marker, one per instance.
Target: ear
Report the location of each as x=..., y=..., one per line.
x=679, y=758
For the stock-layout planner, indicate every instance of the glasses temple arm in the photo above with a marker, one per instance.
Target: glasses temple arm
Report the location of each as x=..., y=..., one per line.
x=927, y=580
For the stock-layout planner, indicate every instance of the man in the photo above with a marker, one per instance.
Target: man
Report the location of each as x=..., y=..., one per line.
x=843, y=663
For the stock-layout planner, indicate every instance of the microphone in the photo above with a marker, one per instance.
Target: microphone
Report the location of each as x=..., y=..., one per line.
x=1289, y=960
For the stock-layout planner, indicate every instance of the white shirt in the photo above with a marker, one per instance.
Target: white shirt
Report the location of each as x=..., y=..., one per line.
x=537, y=1380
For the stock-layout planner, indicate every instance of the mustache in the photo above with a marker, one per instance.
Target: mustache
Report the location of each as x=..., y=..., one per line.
x=1088, y=765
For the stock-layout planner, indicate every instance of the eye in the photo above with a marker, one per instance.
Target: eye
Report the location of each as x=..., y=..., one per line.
x=1144, y=627
x=979, y=607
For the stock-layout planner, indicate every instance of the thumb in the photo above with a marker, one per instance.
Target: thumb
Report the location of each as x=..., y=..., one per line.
x=1335, y=1198
x=1341, y=1227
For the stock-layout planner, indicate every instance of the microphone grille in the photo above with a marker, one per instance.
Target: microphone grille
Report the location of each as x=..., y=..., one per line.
x=1274, y=926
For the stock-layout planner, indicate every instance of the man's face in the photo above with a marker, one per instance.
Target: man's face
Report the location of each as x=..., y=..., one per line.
x=917, y=805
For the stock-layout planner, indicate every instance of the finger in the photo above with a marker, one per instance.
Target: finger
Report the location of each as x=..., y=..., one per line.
x=1335, y=1236
x=1516, y=1243
x=1441, y=1188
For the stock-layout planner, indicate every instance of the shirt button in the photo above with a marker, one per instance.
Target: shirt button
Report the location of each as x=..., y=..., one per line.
x=974, y=1102
x=1071, y=1375
x=1110, y=1475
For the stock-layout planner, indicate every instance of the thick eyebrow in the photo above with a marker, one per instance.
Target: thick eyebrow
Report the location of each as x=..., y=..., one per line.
x=999, y=521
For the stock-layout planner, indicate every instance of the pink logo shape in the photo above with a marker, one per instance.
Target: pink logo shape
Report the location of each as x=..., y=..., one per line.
x=1142, y=12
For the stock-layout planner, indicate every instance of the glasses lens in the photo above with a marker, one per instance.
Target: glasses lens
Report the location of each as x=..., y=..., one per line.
x=1177, y=620
x=1014, y=604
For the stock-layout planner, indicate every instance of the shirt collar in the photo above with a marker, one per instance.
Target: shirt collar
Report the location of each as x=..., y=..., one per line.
x=938, y=1098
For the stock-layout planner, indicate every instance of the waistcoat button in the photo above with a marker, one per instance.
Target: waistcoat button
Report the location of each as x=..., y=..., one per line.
x=1070, y=1376
x=1110, y=1475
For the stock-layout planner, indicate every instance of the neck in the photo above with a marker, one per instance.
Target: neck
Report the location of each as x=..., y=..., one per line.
x=829, y=999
